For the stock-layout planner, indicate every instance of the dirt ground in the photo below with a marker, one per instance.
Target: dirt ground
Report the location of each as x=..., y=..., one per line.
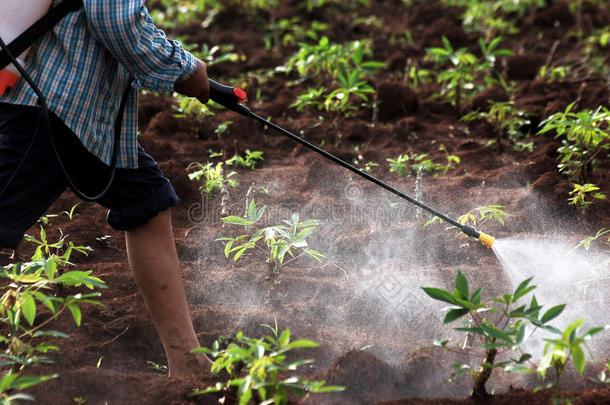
x=363, y=304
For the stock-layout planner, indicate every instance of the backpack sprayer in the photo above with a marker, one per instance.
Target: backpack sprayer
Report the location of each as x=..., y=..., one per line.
x=233, y=97
x=16, y=16
x=23, y=21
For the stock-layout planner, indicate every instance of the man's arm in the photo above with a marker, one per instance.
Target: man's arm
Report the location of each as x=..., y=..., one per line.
x=158, y=63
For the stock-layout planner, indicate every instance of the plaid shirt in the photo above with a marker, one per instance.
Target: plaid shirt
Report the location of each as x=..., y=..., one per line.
x=87, y=61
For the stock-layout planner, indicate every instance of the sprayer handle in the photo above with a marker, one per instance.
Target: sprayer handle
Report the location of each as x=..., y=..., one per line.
x=229, y=97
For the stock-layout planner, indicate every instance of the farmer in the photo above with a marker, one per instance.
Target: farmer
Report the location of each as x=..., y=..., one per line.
x=83, y=67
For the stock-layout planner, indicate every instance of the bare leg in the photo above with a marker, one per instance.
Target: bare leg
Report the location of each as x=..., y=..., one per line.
x=156, y=269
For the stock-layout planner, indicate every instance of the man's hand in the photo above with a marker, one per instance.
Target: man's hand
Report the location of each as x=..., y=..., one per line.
x=197, y=85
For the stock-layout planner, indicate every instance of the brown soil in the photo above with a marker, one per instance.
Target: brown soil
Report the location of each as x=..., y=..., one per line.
x=367, y=292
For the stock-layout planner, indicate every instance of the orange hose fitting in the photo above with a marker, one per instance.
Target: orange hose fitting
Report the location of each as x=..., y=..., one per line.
x=486, y=240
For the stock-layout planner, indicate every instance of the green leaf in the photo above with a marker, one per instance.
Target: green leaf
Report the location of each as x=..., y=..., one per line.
x=461, y=284
x=578, y=357
x=235, y=220
x=552, y=313
x=76, y=313
x=28, y=308
x=301, y=344
x=440, y=295
x=454, y=314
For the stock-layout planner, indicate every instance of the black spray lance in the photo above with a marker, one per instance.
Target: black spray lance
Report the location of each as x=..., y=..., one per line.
x=233, y=97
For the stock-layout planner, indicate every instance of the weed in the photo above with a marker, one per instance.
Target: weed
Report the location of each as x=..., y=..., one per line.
x=280, y=240
x=257, y=368
x=213, y=177
x=581, y=194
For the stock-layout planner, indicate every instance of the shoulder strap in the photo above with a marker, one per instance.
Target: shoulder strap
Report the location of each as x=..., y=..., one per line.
x=38, y=29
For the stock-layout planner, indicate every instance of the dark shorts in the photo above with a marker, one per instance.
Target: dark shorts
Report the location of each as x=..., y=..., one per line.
x=31, y=179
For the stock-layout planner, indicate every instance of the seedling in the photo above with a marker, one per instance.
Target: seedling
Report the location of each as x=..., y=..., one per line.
x=477, y=217
x=505, y=118
x=584, y=139
x=458, y=79
x=567, y=346
x=192, y=108
x=212, y=177
x=258, y=368
x=581, y=194
x=222, y=128
x=281, y=240
x=249, y=161
x=586, y=243
x=421, y=162
x=23, y=340
x=498, y=324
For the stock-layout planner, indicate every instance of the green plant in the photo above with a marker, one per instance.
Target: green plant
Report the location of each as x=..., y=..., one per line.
x=192, y=108
x=310, y=5
x=567, y=346
x=339, y=67
x=171, y=14
x=311, y=99
x=399, y=164
x=222, y=128
x=586, y=243
x=27, y=286
x=349, y=85
x=215, y=54
x=585, y=137
x=477, y=216
x=581, y=194
x=289, y=32
x=250, y=159
x=498, y=325
x=213, y=177
x=258, y=368
x=492, y=16
x=422, y=162
x=280, y=240
x=505, y=118
x=458, y=79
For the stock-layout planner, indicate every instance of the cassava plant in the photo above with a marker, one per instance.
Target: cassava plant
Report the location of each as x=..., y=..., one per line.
x=462, y=70
x=507, y=120
x=212, y=177
x=29, y=289
x=498, y=325
x=583, y=195
x=259, y=369
x=584, y=137
x=249, y=159
x=280, y=240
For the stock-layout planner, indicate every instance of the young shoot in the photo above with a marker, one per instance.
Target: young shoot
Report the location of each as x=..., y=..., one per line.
x=281, y=241
x=212, y=177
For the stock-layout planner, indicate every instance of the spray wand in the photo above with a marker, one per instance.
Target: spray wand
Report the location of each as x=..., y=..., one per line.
x=233, y=97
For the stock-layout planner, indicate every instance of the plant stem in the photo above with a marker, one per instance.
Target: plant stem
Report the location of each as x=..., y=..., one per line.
x=481, y=378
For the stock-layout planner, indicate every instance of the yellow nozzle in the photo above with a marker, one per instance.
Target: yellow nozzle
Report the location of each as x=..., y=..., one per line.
x=486, y=239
